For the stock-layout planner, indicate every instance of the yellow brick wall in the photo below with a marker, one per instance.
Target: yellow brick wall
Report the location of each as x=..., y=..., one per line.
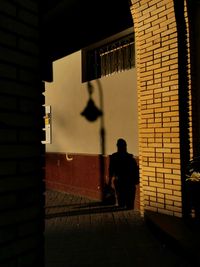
x=158, y=102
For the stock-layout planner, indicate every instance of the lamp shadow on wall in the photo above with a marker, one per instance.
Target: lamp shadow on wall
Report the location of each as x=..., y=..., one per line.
x=91, y=112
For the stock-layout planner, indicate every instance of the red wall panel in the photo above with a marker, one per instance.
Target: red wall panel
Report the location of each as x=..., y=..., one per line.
x=83, y=175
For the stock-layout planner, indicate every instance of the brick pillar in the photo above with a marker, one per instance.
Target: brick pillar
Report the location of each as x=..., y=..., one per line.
x=161, y=83
x=21, y=118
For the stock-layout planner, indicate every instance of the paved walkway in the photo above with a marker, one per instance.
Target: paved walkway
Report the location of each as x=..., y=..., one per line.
x=84, y=233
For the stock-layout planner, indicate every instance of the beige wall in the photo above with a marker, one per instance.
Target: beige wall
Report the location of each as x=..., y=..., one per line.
x=67, y=96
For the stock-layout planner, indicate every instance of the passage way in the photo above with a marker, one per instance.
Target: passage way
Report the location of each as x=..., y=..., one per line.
x=81, y=232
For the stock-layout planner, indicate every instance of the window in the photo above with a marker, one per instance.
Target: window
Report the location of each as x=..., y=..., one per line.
x=112, y=55
x=47, y=123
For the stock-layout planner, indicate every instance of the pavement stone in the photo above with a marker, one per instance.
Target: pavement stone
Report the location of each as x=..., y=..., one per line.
x=81, y=232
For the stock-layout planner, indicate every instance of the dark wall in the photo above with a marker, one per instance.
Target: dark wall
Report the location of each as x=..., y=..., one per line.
x=70, y=25
x=21, y=157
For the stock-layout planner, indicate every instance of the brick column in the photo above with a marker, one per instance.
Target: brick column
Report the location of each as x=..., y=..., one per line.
x=21, y=118
x=159, y=85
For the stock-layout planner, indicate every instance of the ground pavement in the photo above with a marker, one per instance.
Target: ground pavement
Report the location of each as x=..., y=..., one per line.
x=84, y=233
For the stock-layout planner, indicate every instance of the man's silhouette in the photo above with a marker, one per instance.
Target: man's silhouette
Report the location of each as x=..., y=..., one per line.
x=123, y=175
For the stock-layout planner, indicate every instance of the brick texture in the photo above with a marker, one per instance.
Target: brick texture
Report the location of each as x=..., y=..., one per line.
x=21, y=119
x=160, y=132
x=164, y=97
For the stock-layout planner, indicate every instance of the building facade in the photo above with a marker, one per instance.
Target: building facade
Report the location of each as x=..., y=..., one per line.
x=167, y=81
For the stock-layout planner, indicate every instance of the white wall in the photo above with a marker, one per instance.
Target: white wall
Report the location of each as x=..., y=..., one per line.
x=67, y=96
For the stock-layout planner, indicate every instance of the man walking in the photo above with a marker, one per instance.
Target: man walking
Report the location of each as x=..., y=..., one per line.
x=123, y=175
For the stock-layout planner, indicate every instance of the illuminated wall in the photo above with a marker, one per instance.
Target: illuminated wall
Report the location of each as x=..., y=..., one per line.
x=68, y=96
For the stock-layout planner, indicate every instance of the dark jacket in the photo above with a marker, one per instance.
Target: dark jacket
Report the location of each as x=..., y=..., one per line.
x=124, y=167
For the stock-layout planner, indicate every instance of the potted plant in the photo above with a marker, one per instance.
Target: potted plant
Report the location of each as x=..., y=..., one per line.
x=193, y=186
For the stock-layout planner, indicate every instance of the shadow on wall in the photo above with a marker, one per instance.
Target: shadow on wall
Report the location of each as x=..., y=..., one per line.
x=83, y=174
x=190, y=189
x=92, y=113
